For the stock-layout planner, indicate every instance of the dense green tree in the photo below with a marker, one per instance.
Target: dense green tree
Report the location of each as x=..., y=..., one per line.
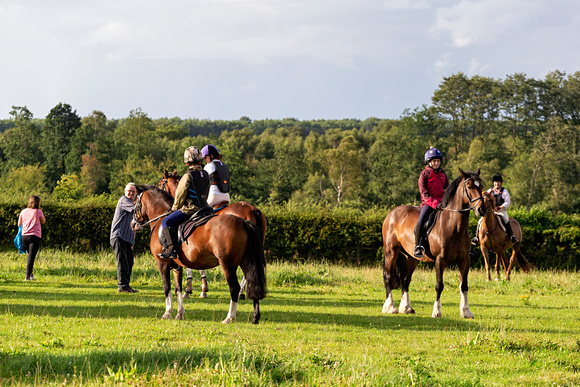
x=21, y=143
x=60, y=126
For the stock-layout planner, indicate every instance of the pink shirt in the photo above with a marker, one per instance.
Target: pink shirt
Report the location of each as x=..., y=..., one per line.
x=30, y=220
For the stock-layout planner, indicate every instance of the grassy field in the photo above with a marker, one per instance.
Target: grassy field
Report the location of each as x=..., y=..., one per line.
x=321, y=326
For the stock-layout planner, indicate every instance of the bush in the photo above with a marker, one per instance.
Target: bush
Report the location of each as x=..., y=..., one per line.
x=297, y=234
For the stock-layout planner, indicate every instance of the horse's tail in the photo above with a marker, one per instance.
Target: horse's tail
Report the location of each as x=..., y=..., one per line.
x=260, y=223
x=256, y=269
x=523, y=262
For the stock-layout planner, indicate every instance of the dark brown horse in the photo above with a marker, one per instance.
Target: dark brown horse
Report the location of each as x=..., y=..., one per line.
x=241, y=209
x=449, y=243
x=492, y=237
x=226, y=241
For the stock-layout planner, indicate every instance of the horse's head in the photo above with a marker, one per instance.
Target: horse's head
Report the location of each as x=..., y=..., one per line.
x=169, y=182
x=472, y=190
x=488, y=201
x=139, y=216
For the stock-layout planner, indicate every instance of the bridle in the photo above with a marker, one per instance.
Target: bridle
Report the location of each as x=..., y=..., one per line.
x=471, y=200
x=164, y=180
x=138, y=213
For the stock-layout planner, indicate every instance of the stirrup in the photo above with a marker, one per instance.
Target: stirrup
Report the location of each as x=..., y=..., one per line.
x=419, y=251
x=167, y=254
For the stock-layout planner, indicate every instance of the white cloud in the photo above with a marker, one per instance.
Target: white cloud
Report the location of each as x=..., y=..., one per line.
x=405, y=4
x=484, y=21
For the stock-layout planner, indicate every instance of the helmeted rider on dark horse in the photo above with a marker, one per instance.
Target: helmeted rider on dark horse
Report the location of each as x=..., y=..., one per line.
x=432, y=184
x=190, y=197
x=502, y=202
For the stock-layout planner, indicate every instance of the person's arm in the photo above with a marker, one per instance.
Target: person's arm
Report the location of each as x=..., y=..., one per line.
x=42, y=218
x=506, y=200
x=424, y=190
x=20, y=220
x=181, y=192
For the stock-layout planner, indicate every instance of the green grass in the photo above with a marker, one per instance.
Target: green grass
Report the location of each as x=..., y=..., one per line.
x=321, y=325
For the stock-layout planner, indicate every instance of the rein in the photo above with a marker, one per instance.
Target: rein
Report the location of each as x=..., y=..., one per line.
x=138, y=210
x=471, y=201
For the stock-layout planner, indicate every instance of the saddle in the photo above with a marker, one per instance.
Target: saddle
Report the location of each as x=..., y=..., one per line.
x=220, y=206
x=199, y=218
x=426, y=229
x=429, y=223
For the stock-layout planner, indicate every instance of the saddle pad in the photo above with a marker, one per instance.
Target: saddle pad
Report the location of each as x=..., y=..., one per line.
x=200, y=218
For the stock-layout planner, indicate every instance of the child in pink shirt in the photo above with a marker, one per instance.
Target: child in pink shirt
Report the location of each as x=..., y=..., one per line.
x=31, y=219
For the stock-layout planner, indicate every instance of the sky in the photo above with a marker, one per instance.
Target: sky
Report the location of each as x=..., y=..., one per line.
x=270, y=59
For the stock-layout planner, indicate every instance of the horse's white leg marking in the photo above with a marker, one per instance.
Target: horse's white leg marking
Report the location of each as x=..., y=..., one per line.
x=464, y=306
x=180, y=308
x=436, y=309
x=389, y=305
x=232, y=313
x=168, y=307
x=405, y=305
x=204, y=287
x=243, y=284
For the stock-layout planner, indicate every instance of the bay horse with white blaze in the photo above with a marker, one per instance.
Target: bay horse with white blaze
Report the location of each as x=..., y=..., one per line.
x=227, y=241
x=242, y=209
x=492, y=237
x=448, y=243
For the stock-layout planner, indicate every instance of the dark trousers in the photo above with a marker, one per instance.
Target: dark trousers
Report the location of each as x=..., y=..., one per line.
x=423, y=216
x=32, y=244
x=125, y=259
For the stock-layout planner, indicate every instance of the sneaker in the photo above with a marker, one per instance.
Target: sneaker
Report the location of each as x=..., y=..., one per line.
x=514, y=239
x=29, y=278
x=127, y=289
x=475, y=241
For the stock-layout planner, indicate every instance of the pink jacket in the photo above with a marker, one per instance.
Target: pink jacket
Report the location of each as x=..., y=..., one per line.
x=432, y=184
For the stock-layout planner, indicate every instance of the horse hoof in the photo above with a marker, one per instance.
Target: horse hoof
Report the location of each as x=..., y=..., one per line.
x=391, y=310
x=408, y=310
x=203, y=295
x=228, y=320
x=242, y=296
x=179, y=316
x=166, y=316
x=467, y=314
x=436, y=314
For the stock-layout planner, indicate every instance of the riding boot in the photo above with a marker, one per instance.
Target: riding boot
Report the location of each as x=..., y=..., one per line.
x=510, y=232
x=475, y=239
x=169, y=251
x=419, y=249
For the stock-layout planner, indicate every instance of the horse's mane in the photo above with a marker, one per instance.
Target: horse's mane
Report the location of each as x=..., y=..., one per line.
x=157, y=192
x=175, y=175
x=452, y=188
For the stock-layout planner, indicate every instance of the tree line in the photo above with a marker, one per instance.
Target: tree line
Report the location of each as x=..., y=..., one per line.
x=524, y=128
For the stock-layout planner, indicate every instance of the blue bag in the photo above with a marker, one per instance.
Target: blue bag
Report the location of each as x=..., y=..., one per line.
x=18, y=241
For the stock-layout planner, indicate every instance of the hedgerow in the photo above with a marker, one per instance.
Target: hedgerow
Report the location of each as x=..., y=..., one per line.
x=297, y=234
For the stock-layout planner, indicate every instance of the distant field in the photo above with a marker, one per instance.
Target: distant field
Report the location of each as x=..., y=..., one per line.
x=321, y=325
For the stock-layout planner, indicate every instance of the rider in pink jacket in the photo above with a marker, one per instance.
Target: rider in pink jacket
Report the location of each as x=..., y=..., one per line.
x=432, y=184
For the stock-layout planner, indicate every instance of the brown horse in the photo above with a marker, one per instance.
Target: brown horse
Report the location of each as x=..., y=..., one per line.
x=227, y=241
x=492, y=237
x=241, y=209
x=449, y=243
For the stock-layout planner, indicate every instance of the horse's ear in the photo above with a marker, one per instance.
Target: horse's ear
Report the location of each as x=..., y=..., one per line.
x=175, y=172
x=165, y=174
x=463, y=173
x=478, y=169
